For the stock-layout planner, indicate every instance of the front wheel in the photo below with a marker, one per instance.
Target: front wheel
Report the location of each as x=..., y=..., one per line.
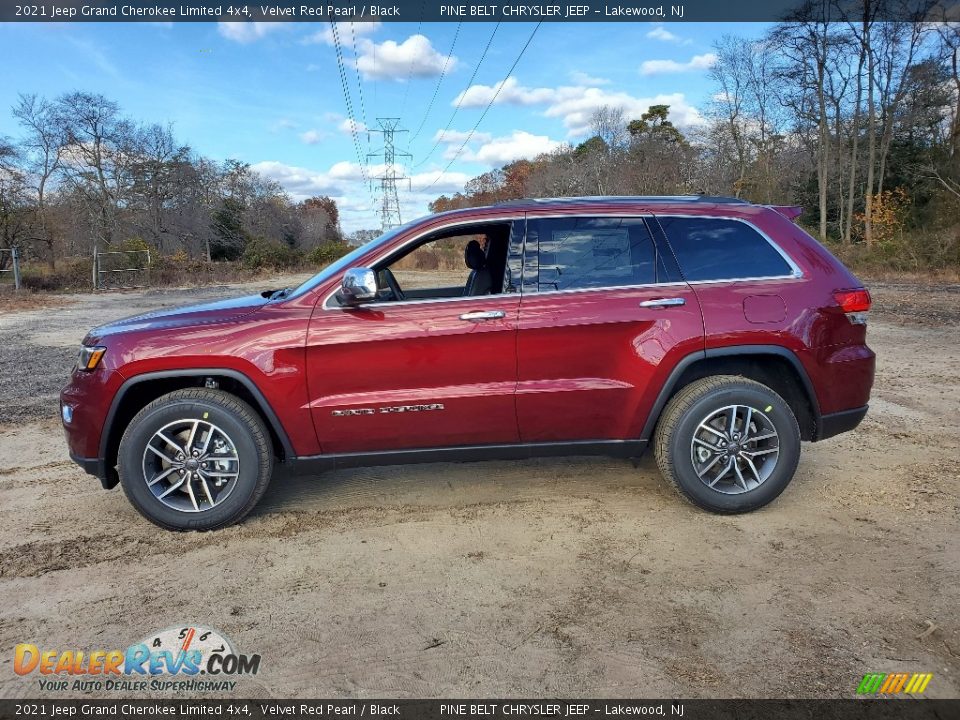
x=195, y=459
x=728, y=444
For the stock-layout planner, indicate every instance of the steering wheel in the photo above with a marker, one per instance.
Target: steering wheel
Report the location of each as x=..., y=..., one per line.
x=393, y=285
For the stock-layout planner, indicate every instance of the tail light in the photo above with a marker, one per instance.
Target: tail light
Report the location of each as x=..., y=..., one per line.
x=854, y=303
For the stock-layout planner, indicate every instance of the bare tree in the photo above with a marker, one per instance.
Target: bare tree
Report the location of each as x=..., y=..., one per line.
x=43, y=149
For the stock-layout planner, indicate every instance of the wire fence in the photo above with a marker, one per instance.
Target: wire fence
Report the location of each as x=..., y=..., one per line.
x=10, y=266
x=121, y=269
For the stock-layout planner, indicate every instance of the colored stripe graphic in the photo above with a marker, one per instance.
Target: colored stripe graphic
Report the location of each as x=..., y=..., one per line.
x=894, y=683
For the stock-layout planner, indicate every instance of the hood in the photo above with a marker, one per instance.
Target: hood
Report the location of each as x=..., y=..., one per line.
x=187, y=316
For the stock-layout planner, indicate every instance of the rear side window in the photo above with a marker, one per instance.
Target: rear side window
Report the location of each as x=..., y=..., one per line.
x=720, y=249
x=592, y=252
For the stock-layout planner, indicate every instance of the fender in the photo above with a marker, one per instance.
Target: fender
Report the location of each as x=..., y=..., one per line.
x=666, y=392
x=269, y=415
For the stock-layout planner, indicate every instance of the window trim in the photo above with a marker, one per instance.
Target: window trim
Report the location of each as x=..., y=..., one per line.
x=525, y=217
x=413, y=239
x=645, y=217
x=795, y=272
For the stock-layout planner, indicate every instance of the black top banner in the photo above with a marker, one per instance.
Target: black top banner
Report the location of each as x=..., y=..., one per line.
x=458, y=11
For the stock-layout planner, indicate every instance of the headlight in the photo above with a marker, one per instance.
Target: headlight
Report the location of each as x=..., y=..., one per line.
x=90, y=356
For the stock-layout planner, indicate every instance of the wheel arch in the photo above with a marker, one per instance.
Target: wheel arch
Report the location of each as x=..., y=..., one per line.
x=773, y=365
x=138, y=391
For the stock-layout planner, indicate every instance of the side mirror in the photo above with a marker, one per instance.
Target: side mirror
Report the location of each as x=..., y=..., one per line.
x=359, y=285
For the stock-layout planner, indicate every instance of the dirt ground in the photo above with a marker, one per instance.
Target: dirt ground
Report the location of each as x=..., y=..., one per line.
x=562, y=577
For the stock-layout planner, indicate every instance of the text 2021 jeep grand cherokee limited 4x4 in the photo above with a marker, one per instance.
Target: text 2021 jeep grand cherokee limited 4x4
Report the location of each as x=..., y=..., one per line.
x=716, y=330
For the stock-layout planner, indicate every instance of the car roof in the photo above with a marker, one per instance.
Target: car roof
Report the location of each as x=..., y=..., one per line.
x=622, y=199
x=593, y=201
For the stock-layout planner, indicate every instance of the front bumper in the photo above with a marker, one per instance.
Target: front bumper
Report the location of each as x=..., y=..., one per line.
x=97, y=468
x=840, y=422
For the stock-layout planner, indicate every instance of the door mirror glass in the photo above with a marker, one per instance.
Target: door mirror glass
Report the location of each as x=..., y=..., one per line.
x=359, y=285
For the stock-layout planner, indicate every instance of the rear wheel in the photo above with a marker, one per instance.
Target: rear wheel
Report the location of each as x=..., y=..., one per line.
x=728, y=444
x=195, y=459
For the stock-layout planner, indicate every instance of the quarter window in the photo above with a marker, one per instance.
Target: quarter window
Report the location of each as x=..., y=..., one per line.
x=721, y=249
x=582, y=252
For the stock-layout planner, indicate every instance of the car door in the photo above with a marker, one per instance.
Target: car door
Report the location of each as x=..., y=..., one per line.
x=604, y=317
x=420, y=373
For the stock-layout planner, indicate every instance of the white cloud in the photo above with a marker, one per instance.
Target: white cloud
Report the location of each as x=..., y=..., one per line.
x=519, y=145
x=414, y=57
x=450, y=137
x=506, y=92
x=432, y=183
x=282, y=124
x=312, y=137
x=346, y=30
x=659, y=32
x=247, y=32
x=301, y=183
x=350, y=126
x=574, y=104
x=581, y=78
x=697, y=62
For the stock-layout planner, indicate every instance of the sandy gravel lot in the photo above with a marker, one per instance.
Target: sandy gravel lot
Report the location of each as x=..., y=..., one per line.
x=561, y=577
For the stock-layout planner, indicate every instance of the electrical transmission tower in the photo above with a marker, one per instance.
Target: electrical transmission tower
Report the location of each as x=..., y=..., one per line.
x=389, y=202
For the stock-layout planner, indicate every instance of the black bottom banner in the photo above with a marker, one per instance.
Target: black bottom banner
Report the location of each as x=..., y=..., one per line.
x=430, y=709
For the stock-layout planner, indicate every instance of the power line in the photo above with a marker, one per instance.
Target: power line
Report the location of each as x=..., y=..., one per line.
x=487, y=108
x=406, y=91
x=346, y=97
x=356, y=57
x=462, y=96
x=437, y=88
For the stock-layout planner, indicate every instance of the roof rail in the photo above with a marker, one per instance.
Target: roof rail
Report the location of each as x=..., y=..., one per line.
x=711, y=199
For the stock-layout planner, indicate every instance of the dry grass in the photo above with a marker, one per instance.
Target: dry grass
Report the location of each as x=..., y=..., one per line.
x=12, y=301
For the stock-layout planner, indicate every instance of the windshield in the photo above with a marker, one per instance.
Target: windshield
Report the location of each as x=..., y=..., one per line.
x=346, y=261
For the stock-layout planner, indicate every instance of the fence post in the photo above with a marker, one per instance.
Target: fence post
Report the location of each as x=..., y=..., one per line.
x=16, y=268
x=96, y=268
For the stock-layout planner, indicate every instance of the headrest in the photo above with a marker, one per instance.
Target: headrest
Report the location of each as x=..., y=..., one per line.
x=473, y=256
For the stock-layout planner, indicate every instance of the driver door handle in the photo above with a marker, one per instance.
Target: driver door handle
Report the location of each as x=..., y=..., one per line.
x=663, y=302
x=482, y=316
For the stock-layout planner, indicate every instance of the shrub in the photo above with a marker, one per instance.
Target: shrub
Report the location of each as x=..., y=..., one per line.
x=74, y=274
x=327, y=252
x=261, y=254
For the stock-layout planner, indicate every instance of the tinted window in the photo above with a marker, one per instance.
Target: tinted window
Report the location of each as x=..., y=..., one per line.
x=592, y=252
x=718, y=249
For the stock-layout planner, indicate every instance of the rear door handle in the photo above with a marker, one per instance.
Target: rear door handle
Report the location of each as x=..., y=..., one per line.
x=663, y=302
x=482, y=316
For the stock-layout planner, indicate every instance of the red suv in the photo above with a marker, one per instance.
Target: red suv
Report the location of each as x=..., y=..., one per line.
x=715, y=330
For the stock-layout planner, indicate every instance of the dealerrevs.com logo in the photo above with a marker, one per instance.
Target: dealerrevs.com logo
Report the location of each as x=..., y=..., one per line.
x=190, y=658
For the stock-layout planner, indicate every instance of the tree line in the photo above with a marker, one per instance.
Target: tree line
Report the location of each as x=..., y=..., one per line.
x=858, y=120
x=84, y=178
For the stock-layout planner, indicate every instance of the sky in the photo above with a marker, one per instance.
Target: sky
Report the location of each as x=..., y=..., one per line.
x=271, y=94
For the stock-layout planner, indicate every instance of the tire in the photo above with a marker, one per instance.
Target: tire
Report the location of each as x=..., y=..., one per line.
x=691, y=450
x=237, y=453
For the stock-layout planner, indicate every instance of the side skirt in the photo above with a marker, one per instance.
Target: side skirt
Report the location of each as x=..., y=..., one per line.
x=465, y=453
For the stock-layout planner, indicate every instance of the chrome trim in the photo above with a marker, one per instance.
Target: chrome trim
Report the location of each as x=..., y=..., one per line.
x=358, y=284
x=482, y=315
x=663, y=302
x=796, y=273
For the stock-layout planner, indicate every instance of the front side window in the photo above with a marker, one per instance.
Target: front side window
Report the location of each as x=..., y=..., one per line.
x=721, y=249
x=584, y=252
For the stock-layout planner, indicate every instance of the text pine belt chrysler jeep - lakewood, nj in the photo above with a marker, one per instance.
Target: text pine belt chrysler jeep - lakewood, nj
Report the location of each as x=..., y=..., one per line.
x=715, y=330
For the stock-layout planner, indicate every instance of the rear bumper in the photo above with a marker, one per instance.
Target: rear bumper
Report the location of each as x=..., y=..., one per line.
x=839, y=422
x=97, y=468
